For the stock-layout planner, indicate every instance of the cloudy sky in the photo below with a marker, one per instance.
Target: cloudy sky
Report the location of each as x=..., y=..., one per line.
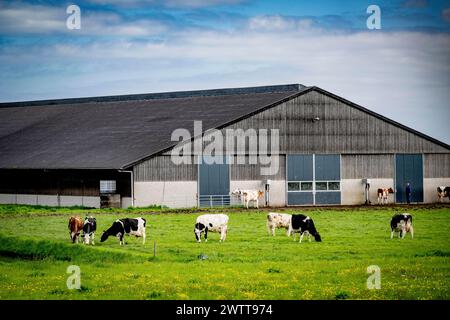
x=137, y=46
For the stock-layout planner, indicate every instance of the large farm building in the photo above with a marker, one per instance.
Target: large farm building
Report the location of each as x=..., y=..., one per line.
x=116, y=150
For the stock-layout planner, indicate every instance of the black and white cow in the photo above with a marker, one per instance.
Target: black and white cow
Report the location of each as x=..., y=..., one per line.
x=303, y=225
x=89, y=228
x=212, y=223
x=443, y=192
x=402, y=223
x=134, y=227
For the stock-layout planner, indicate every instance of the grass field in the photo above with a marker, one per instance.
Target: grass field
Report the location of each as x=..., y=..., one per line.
x=35, y=252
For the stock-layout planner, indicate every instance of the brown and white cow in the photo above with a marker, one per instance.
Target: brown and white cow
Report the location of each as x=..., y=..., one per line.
x=277, y=221
x=248, y=195
x=75, y=227
x=383, y=194
x=443, y=192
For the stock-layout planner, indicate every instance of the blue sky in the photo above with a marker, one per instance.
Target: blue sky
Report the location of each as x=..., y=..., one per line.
x=401, y=71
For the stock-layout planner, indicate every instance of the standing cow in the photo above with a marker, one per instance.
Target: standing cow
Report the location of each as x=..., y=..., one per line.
x=303, y=225
x=249, y=195
x=277, y=221
x=134, y=227
x=383, y=194
x=75, y=226
x=89, y=228
x=443, y=192
x=212, y=223
x=402, y=223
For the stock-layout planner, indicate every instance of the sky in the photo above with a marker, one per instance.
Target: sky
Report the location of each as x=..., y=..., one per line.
x=401, y=71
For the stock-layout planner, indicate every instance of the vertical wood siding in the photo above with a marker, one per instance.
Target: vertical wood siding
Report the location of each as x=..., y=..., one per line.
x=437, y=165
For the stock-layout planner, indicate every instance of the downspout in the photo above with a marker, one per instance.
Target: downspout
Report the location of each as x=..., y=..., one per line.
x=132, y=184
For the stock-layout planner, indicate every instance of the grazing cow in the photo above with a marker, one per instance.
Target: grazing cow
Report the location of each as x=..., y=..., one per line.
x=249, y=195
x=213, y=223
x=75, y=227
x=383, y=194
x=443, y=192
x=90, y=225
x=402, y=223
x=134, y=227
x=303, y=224
x=278, y=220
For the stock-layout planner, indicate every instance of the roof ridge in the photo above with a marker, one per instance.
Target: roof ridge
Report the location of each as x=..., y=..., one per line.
x=159, y=95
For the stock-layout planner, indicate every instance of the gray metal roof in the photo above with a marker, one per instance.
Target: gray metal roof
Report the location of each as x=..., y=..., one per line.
x=113, y=132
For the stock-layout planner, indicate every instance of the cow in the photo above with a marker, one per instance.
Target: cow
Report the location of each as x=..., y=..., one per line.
x=249, y=195
x=383, y=194
x=277, y=221
x=89, y=228
x=443, y=192
x=212, y=223
x=303, y=225
x=120, y=227
x=402, y=223
x=75, y=226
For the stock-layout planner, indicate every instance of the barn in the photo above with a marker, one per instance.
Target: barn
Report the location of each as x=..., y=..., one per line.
x=301, y=145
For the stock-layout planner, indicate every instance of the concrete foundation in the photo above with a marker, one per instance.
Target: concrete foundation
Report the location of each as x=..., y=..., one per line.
x=352, y=191
x=430, y=189
x=50, y=200
x=277, y=190
x=177, y=194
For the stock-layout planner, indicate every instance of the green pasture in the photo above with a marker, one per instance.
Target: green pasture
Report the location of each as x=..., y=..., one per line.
x=35, y=252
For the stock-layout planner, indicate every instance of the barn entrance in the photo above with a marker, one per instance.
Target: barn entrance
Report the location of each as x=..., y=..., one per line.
x=408, y=169
x=313, y=179
x=213, y=184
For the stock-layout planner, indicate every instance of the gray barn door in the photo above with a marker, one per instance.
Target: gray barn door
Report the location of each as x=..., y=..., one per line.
x=313, y=179
x=327, y=178
x=408, y=168
x=214, y=185
x=300, y=180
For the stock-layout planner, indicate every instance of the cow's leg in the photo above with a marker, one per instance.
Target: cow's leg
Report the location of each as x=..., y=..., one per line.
x=257, y=206
x=295, y=235
x=301, y=237
x=309, y=237
x=93, y=238
x=223, y=234
x=206, y=234
x=411, y=229
x=392, y=233
x=144, y=236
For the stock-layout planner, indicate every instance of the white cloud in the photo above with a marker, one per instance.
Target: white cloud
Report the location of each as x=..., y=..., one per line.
x=21, y=18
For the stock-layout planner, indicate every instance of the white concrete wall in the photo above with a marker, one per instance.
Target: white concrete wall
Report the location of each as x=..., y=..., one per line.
x=126, y=202
x=174, y=194
x=49, y=200
x=430, y=189
x=352, y=191
x=277, y=190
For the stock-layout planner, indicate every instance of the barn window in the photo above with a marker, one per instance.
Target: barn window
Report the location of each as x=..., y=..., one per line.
x=333, y=186
x=293, y=186
x=307, y=186
x=107, y=186
x=321, y=186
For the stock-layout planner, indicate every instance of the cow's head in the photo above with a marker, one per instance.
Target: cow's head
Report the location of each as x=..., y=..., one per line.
x=317, y=237
x=199, y=228
x=390, y=190
x=236, y=192
x=105, y=236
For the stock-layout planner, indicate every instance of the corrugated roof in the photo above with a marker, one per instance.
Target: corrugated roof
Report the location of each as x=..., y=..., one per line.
x=112, y=132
